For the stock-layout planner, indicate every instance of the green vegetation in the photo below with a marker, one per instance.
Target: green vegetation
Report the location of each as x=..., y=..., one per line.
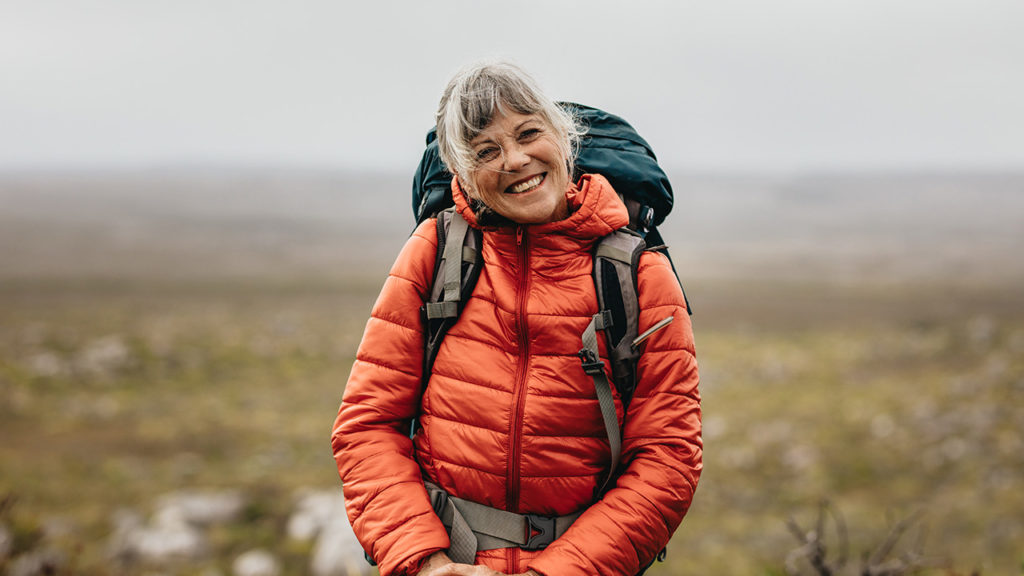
x=886, y=416
x=886, y=401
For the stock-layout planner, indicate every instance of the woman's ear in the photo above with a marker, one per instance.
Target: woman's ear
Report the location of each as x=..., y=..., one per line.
x=465, y=187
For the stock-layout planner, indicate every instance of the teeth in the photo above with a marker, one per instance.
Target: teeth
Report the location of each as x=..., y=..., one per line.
x=524, y=186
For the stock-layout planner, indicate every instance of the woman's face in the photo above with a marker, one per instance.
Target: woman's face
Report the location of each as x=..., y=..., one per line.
x=520, y=171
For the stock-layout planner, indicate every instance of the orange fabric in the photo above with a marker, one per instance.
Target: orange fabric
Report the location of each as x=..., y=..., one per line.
x=509, y=418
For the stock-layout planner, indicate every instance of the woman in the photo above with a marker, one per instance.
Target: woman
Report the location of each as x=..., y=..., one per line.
x=508, y=419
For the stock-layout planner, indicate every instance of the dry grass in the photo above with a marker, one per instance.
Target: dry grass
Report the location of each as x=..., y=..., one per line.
x=130, y=367
x=111, y=397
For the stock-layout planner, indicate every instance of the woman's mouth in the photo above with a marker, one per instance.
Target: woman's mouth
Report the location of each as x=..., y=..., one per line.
x=526, y=185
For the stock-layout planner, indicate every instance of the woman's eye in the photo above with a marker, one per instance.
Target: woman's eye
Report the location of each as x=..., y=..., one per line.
x=529, y=134
x=485, y=154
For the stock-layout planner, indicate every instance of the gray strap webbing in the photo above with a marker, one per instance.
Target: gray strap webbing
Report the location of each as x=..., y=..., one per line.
x=453, y=258
x=454, y=255
x=607, y=251
x=474, y=527
x=442, y=309
x=604, y=395
x=463, y=541
x=616, y=259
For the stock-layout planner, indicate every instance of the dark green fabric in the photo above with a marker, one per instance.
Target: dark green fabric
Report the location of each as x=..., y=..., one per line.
x=611, y=147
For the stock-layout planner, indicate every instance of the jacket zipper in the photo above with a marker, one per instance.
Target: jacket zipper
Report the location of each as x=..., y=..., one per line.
x=519, y=385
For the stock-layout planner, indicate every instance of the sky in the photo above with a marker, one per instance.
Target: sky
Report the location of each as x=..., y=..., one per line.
x=782, y=86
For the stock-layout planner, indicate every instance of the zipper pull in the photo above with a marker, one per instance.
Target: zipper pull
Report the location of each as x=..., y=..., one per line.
x=519, y=235
x=647, y=333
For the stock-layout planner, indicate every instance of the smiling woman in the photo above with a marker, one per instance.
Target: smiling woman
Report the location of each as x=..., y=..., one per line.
x=521, y=171
x=524, y=459
x=497, y=131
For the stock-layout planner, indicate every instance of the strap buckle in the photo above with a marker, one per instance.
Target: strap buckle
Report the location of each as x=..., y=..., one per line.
x=591, y=363
x=645, y=217
x=540, y=532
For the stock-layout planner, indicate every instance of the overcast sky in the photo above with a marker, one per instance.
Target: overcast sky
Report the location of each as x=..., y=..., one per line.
x=788, y=85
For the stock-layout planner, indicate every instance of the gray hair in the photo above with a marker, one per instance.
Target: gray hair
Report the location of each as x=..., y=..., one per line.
x=478, y=92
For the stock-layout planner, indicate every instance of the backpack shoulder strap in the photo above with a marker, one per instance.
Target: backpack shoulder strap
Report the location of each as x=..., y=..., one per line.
x=641, y=221
x=616, y=262
x=616, y=258
x=456, y=270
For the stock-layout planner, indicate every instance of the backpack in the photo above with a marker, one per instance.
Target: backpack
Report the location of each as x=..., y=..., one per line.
x=612, y=148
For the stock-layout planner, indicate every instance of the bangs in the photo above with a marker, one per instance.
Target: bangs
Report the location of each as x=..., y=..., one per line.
x=476, y=95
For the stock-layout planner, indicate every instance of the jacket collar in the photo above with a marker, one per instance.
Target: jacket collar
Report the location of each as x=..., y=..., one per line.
x=595, y=211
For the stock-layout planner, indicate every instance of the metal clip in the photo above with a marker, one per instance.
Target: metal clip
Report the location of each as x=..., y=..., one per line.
x=647, y=333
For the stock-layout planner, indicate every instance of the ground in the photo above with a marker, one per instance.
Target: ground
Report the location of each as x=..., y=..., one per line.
x=886, y=394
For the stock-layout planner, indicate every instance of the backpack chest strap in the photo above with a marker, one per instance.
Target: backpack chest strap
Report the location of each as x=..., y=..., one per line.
x=475, y=527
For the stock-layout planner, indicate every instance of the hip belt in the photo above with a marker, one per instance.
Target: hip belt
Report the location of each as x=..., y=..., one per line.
x=475, y=527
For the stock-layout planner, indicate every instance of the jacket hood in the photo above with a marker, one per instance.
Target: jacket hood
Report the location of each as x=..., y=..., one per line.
x=595, y=210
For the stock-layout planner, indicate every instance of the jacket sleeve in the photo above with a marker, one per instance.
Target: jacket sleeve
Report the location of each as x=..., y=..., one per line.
x=385, y=499
x=662, y=447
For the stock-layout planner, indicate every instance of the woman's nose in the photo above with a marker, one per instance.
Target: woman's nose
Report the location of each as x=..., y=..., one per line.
x=515, y=158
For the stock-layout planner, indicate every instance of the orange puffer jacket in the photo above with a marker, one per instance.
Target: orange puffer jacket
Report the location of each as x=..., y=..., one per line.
x=509, y=418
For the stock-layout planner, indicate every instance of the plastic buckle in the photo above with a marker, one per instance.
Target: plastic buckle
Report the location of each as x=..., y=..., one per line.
x=606, y=320
x=541, y=532
x=646, y=216
x=592, y=365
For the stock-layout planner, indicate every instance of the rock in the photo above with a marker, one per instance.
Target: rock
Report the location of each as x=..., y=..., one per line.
x=47, y=365
x=126, y=523
x=337, y=552
x=168, y=538
x=202, y=508
x=6, y=542
x=256, y=562
x=312, y=511
x=41, y=562
x=104, y=357
x=58, y=528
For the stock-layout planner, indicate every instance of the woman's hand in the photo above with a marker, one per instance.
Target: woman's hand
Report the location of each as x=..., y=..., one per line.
x=433, y=562
x=463, y=570
x=439, y=564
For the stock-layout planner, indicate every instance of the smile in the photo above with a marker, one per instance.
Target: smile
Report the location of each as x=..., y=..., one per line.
x=526, y=185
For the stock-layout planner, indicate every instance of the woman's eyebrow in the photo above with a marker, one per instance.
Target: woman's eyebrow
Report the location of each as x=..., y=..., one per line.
x=481, y=139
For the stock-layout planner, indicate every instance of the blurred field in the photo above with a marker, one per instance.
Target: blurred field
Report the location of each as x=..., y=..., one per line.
x=860, y=340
